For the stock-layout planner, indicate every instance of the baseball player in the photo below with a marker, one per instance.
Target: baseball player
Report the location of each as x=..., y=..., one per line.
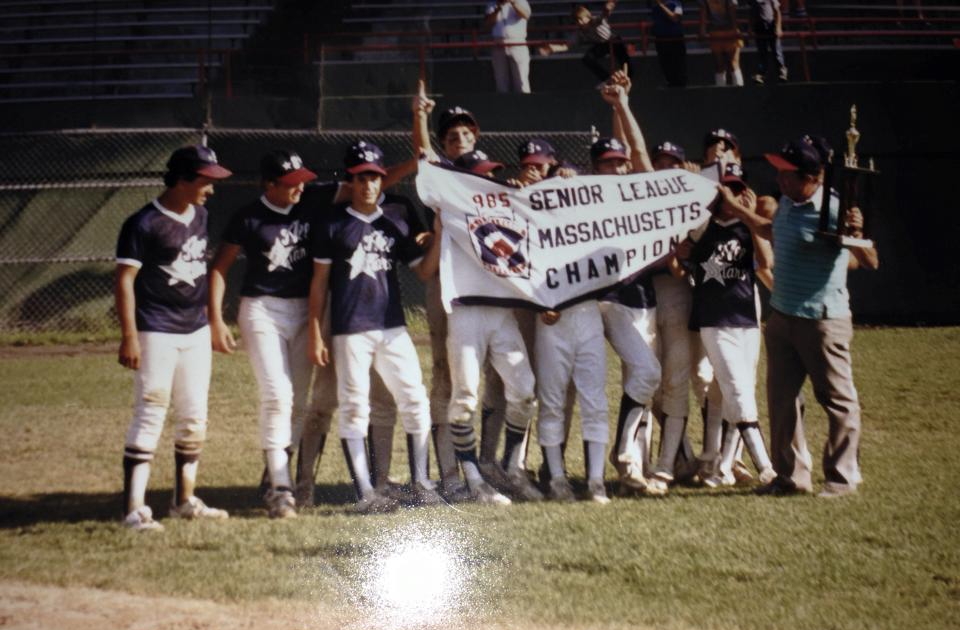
x=629, y=312
x=273, y=233
x=720, y=258
x=355, y=251
x=487, y=333
x=161, y=295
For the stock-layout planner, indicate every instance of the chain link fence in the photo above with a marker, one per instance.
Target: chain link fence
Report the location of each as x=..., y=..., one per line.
x=64, y=195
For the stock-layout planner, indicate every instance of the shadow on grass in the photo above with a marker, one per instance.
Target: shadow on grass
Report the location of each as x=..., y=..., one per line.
x=74, y=507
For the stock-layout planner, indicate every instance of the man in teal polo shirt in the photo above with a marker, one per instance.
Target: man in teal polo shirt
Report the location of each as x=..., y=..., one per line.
x=810, y=329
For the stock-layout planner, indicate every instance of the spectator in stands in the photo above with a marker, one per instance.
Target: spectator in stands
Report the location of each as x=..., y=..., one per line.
x=766, y=22
x=667, y=17
x=718, y=21
x=507, y=20
x=604, y=46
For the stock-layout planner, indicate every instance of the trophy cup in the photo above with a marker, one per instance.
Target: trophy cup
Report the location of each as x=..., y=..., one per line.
x=855, y=185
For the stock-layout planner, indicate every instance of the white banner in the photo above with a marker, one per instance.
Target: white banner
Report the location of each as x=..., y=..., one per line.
x=559, y=241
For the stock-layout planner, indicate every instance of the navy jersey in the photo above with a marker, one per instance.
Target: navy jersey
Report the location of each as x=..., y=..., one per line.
x=724, y=278
x=400, y=207
x=363, y=251
x=637, y=293
x=276, y=242
x=171, y=252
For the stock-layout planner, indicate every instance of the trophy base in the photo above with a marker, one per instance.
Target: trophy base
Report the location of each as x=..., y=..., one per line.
x=845, y=241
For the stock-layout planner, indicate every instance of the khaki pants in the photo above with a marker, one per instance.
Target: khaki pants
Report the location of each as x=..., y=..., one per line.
x=819, y=348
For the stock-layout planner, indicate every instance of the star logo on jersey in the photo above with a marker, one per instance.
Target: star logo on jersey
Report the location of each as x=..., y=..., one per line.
x=721, y=266
x=190, y=263
x=287, y=247
x=371, y=255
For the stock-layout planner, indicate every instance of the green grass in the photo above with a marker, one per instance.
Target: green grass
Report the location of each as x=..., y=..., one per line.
x=887, y=558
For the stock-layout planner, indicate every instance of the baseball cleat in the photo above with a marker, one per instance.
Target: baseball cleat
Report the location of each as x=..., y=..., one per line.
x=281, y=504
x=423, y=495
x=741, y=473
x=141, y=520
x=767, y=475
x=375, y=503
x=561, y=490
x=657, y=487
x=454, y=491
x=713, y=481
x=632, y=477
x=195, y=508
x=486, y=494
x=836, y=490
x=494, y=475
x=521, y=487
x=596, y=491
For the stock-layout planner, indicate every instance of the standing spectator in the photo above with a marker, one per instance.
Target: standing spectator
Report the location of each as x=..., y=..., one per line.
x=507, y=20
x=718, y=21
x=799, y=8
x=810, y=328
x=766, y=21
x=605, y=46
x=667, y=18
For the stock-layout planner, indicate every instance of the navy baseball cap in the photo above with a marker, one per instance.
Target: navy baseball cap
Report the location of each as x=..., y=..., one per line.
x=797, y=155
x=721, y=135
x=607, y=148
x=196, y=160
x=476, y=162
x=536, y=151
x=671, y=149
x=450, y=117
x=822, y=146
x=364, y=157
x=285, y=167
x=733, y=174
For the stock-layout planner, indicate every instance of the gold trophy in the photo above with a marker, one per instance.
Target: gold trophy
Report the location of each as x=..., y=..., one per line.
x=856, y=191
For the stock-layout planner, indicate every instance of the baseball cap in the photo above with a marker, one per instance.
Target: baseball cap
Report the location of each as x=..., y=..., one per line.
x=476, y=162
x=536, y=151
x=822, y=146
x=196, y=160
x=606, y=148
x=721, y=135
x=285, y=167
x=364, y=157
x=733, y=174
x=669, y=148
x=450, y=117
x=797, y=155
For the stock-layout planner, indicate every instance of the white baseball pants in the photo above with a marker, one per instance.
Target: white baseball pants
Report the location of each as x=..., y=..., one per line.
x=573, y=348
x=392, y=354
x=476, y=333
x=733, y=353
x=511, y=68
x=173, y=367
x=275, y=334
x=631, y=332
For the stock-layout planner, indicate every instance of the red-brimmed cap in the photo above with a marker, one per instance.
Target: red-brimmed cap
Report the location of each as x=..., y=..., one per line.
x=286, y=168
x=196, y=160
x=476, y=162
x=364, y=157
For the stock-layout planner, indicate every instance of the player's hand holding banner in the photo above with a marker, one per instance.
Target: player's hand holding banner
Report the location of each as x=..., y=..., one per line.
x=559, y=241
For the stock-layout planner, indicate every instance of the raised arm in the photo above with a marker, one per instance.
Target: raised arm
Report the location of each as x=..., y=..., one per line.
x=616, y=94
x=422, y=106
x=757, y=224
x=860, y=256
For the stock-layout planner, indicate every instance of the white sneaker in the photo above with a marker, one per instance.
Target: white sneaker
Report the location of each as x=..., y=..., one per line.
x=195, y=508
x=561, y=490
x=767, y=475
x=375, y=503
x=521, y=487
x=486, y=494
x=141, y=520
x=663, y=475
x=713, y=481
x=657, y=487
x=633, y=478
x=281, y=504
x=597, y=492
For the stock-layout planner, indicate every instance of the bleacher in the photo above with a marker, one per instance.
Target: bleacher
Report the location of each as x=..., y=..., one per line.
x=60, y=50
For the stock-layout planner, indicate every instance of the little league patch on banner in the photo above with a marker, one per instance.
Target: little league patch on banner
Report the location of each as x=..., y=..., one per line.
x=559, y=241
